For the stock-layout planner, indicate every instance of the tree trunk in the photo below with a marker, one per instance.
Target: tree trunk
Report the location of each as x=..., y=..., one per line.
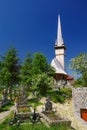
x=10, y=92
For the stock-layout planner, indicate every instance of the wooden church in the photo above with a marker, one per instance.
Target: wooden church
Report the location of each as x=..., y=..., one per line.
x=58, y=62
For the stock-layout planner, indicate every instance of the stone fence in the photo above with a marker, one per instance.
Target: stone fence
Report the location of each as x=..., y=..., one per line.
x=79, y=98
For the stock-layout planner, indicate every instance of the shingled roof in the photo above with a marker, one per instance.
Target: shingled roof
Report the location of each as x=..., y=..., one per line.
x=57, y=66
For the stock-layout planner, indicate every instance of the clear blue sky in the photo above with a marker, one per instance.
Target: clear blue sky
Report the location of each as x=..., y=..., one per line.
x=31, y=25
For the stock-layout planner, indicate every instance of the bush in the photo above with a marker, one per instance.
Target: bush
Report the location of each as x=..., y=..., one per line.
x=57, y=98
x=67, y=92
x=61, y=95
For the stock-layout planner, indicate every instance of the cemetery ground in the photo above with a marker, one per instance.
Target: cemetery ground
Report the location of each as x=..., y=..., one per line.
x=62, y=103
x=36, y=102
x=29, y=125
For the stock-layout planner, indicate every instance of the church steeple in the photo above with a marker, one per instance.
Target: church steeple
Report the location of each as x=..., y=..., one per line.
x=59, y=41
x=59, y=45
x=59, y=33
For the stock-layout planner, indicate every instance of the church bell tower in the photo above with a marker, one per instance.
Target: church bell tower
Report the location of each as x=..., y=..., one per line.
x=59, y=46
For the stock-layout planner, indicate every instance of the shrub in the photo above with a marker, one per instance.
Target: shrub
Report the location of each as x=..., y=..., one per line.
x=67, y=92
x=57, y=98
x=61, y=95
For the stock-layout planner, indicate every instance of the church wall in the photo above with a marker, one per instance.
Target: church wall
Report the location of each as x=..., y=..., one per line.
x=59, y=51
x=58, y=76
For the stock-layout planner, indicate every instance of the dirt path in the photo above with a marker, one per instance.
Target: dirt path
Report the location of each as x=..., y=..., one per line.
x=4, y=114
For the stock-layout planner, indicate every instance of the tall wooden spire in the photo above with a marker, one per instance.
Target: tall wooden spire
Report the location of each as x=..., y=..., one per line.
x=59, y=45
x=59, y=33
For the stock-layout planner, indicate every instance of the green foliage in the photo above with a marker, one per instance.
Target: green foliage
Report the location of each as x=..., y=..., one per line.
x=34, y=102
x=32, y=73
x=60, y=95
x=84, y=79
x=50, y=71
x=42, y=74
x=58, y=98
x=26, y=71
x=39, y=63
x=42, y=83
x=79, y=63
x=79, y=66
x=9, y=69
x=78, y=83
x=67, y=92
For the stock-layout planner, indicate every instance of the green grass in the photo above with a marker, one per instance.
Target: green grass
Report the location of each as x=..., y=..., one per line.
x=34, y=102
x=28, y=126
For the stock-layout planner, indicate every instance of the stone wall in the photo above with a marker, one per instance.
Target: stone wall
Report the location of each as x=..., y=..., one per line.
x=79, y=98
x=62, y=84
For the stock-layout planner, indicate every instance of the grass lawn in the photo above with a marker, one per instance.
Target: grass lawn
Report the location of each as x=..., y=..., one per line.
x=34, y=102
x=28, y=126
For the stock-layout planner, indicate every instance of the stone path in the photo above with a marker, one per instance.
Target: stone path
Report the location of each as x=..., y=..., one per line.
x=66, y=110
x=4, y=114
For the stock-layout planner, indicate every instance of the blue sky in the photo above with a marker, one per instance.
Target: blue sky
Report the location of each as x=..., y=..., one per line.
x=31, y=25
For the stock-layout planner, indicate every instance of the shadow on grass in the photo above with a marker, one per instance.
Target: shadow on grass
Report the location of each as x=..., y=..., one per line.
x=6, y=107
x=34, y=102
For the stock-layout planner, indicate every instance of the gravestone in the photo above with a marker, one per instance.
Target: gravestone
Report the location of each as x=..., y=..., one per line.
x=4, y=99
x=21, y=106
x=50, y=116
x=21, y=100
x=48, y=105
x=5, y=95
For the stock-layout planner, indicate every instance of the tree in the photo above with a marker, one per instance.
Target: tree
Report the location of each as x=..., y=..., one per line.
x=79, y=65
x=42, y=83
x=50, y=71
x=26, y=71
x=42, y=73
x=10, y=69
x=39, y=63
